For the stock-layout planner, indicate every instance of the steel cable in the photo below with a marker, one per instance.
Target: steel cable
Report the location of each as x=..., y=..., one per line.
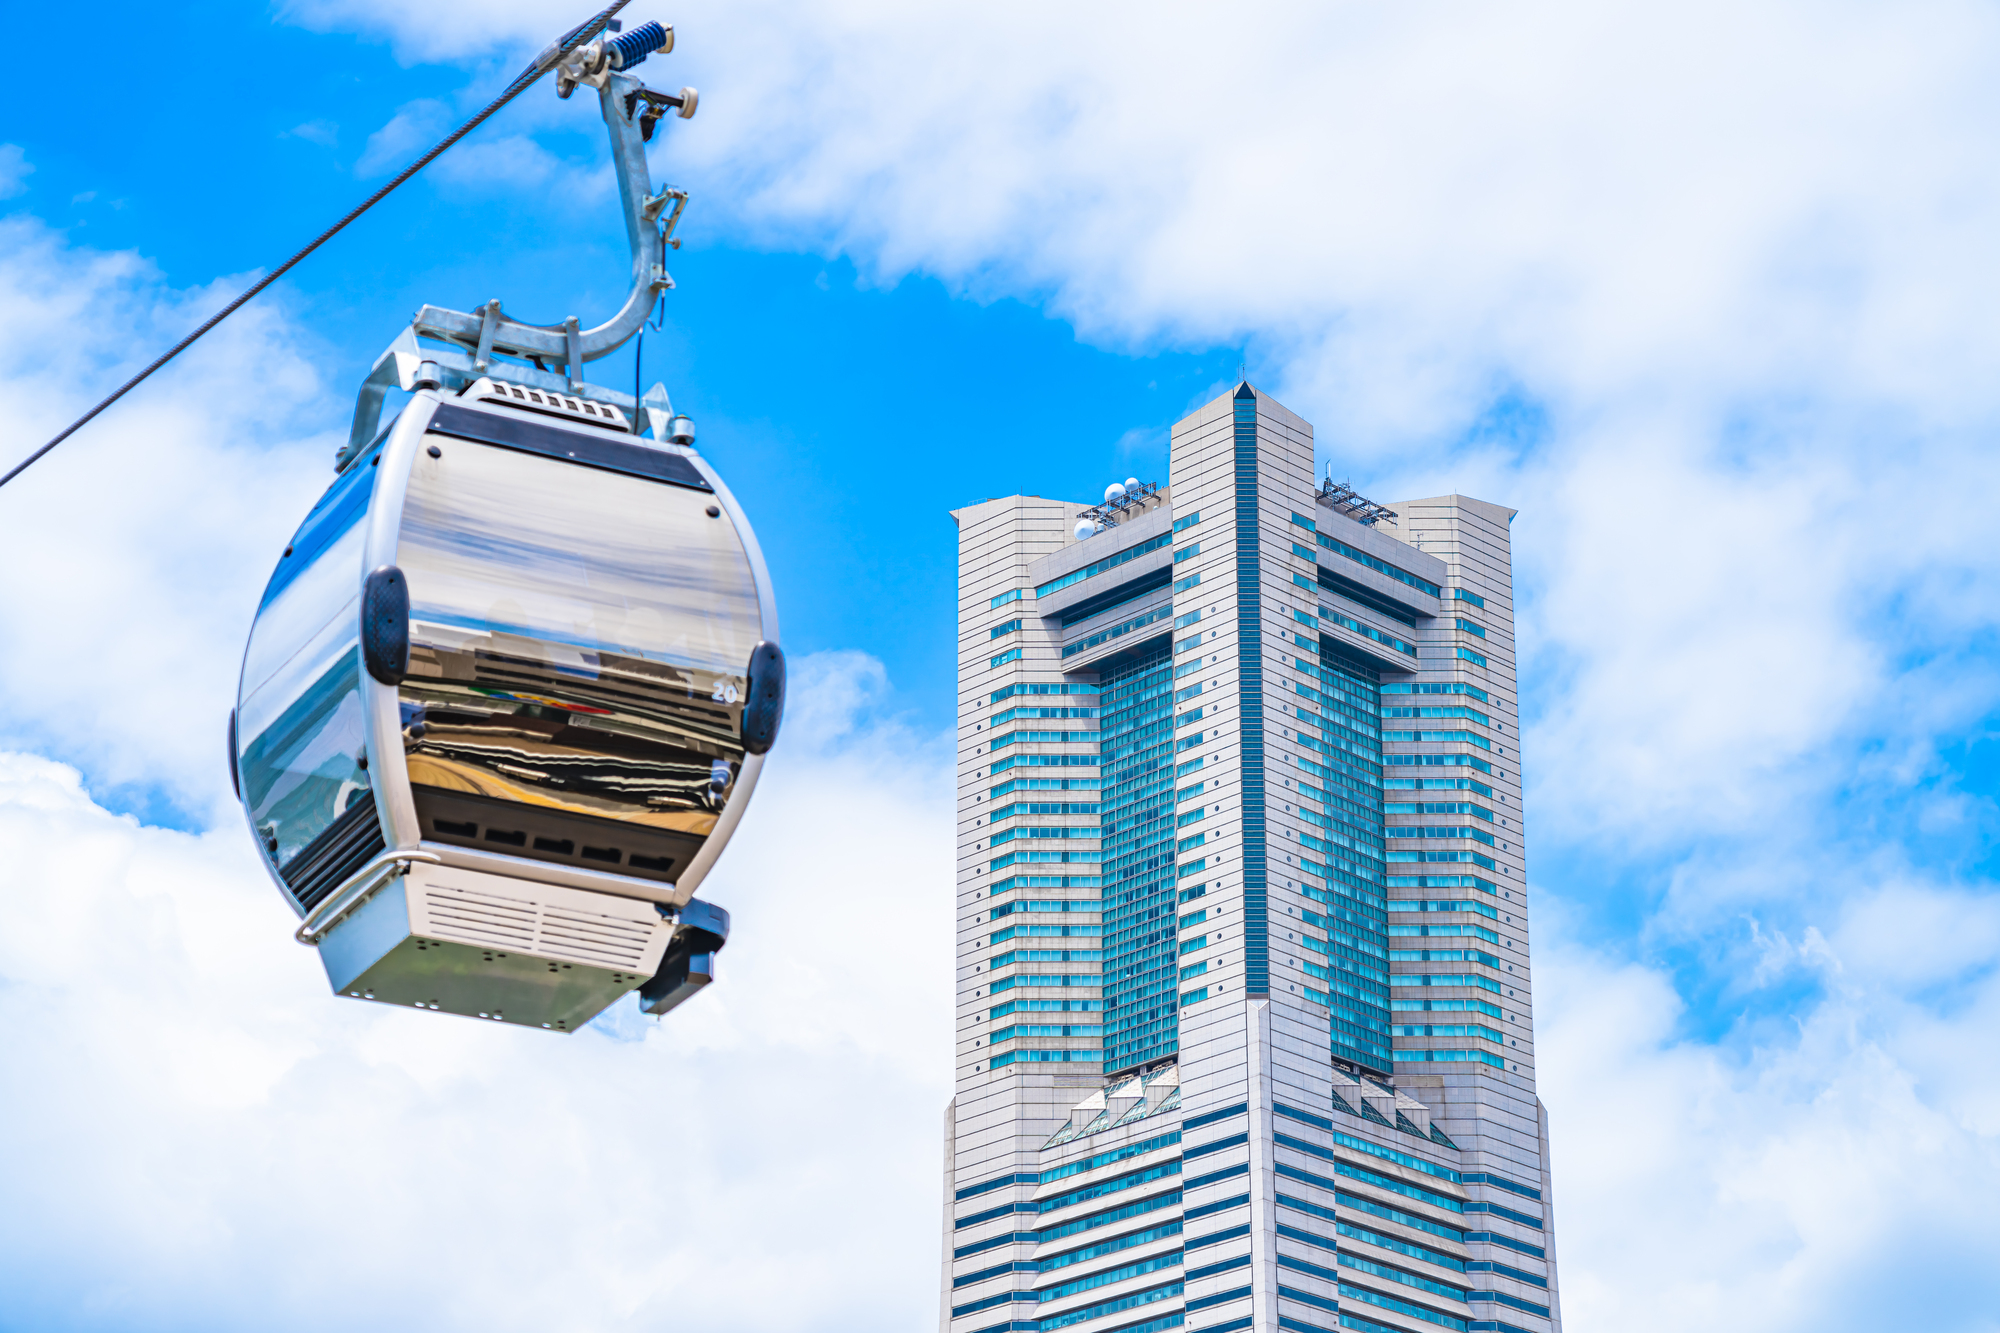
x=542, y=64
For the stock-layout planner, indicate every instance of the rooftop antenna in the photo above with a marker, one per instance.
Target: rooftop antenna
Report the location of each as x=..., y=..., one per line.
x=1342, y=498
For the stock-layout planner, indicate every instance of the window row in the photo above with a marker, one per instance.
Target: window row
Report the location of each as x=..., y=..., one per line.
x=1438, y=784
x=1046, y=1057
x=1437, y=738
x=998, y=1035
x=1396, y=929
x=1053, y=1007
x=1441, y=882
x=1437, y=807
x=1013, y=882
x=1432, y=710
x=1442, y=956
x=1041, y=831
x=1451, y=1057
x=999, y=812
x=1432, y=905
x=1043, y=784
x=1403, y=576
x=1085, y=979
x=1366, y=632
x=1117, y=631
x=1437, y=761
x=1043, y=761
x=1012, y=713
x=1446, y=1006
x=1037, y=858
x=1481, y=1031
x=998, y=961
x=1109, y=562
x=1044, y=738
x=1463, y=979
x=1163, y=1231
x=1440, y=687
x=1091, y=931
x=1039, y=687
x=1046, y=905
x=1438, y=831
x=1485, y=862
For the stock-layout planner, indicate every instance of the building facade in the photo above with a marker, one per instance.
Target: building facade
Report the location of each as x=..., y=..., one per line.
x=1245, y=1016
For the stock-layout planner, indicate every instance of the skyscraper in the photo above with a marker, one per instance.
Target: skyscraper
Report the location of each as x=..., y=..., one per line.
x=1245, y=1017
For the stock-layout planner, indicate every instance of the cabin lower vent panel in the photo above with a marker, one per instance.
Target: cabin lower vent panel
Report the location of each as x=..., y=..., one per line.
x=336, y=855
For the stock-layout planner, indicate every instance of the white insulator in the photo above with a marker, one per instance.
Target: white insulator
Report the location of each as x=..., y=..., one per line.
x=1113, y=493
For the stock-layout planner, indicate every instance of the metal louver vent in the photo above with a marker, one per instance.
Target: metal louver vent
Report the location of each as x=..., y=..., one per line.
x=482, y=918
x=347, y=844
x=487, y=389
x=531, y=924
x=599, y=939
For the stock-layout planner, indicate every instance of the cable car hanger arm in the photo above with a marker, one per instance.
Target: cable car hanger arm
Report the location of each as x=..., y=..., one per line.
x=488, y=331
x=630, y=112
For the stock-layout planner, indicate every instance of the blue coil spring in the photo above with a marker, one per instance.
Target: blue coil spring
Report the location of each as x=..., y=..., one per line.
x=634, y=46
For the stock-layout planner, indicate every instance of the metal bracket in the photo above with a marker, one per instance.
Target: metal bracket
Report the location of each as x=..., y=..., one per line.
x=489, y=333
x=378, y=872
x=658, y=104
x=409, y=367
x=489, y=325
x=652, y=210
x=658, y=409
x=573, y=353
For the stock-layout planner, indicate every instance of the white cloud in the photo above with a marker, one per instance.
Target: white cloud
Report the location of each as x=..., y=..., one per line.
x=414, y=128
x=212, y=1131
x=140, y=546
x=517, y=161
x=1815, y=1181
x=323, y=132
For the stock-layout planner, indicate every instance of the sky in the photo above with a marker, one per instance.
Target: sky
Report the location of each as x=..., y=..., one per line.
x=1705, y=291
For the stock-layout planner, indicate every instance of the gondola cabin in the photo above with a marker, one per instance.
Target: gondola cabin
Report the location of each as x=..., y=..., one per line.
x=505, y=699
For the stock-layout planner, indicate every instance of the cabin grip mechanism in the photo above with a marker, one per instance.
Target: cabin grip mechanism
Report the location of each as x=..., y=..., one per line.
x=631, y=111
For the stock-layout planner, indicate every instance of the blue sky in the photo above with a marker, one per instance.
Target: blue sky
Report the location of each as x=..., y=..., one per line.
x=1705, y=293
x=821, y=391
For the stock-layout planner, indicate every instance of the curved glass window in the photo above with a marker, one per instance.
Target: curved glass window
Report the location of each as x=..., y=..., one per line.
x=299, y=726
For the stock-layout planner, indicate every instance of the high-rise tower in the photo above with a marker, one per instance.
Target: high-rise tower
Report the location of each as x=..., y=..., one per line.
x=1245, y=1016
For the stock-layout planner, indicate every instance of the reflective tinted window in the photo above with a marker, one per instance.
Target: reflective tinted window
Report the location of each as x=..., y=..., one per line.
x=498, y=541
x=299, y=714
x=300, y=771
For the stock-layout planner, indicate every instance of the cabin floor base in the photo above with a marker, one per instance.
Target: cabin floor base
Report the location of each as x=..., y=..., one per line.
x=486, y=946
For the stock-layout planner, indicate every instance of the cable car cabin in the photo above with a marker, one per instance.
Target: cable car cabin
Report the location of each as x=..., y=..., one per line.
x=504, y=702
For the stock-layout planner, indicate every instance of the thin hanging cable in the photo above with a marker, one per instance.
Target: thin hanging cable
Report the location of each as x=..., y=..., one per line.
x=542, y=64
